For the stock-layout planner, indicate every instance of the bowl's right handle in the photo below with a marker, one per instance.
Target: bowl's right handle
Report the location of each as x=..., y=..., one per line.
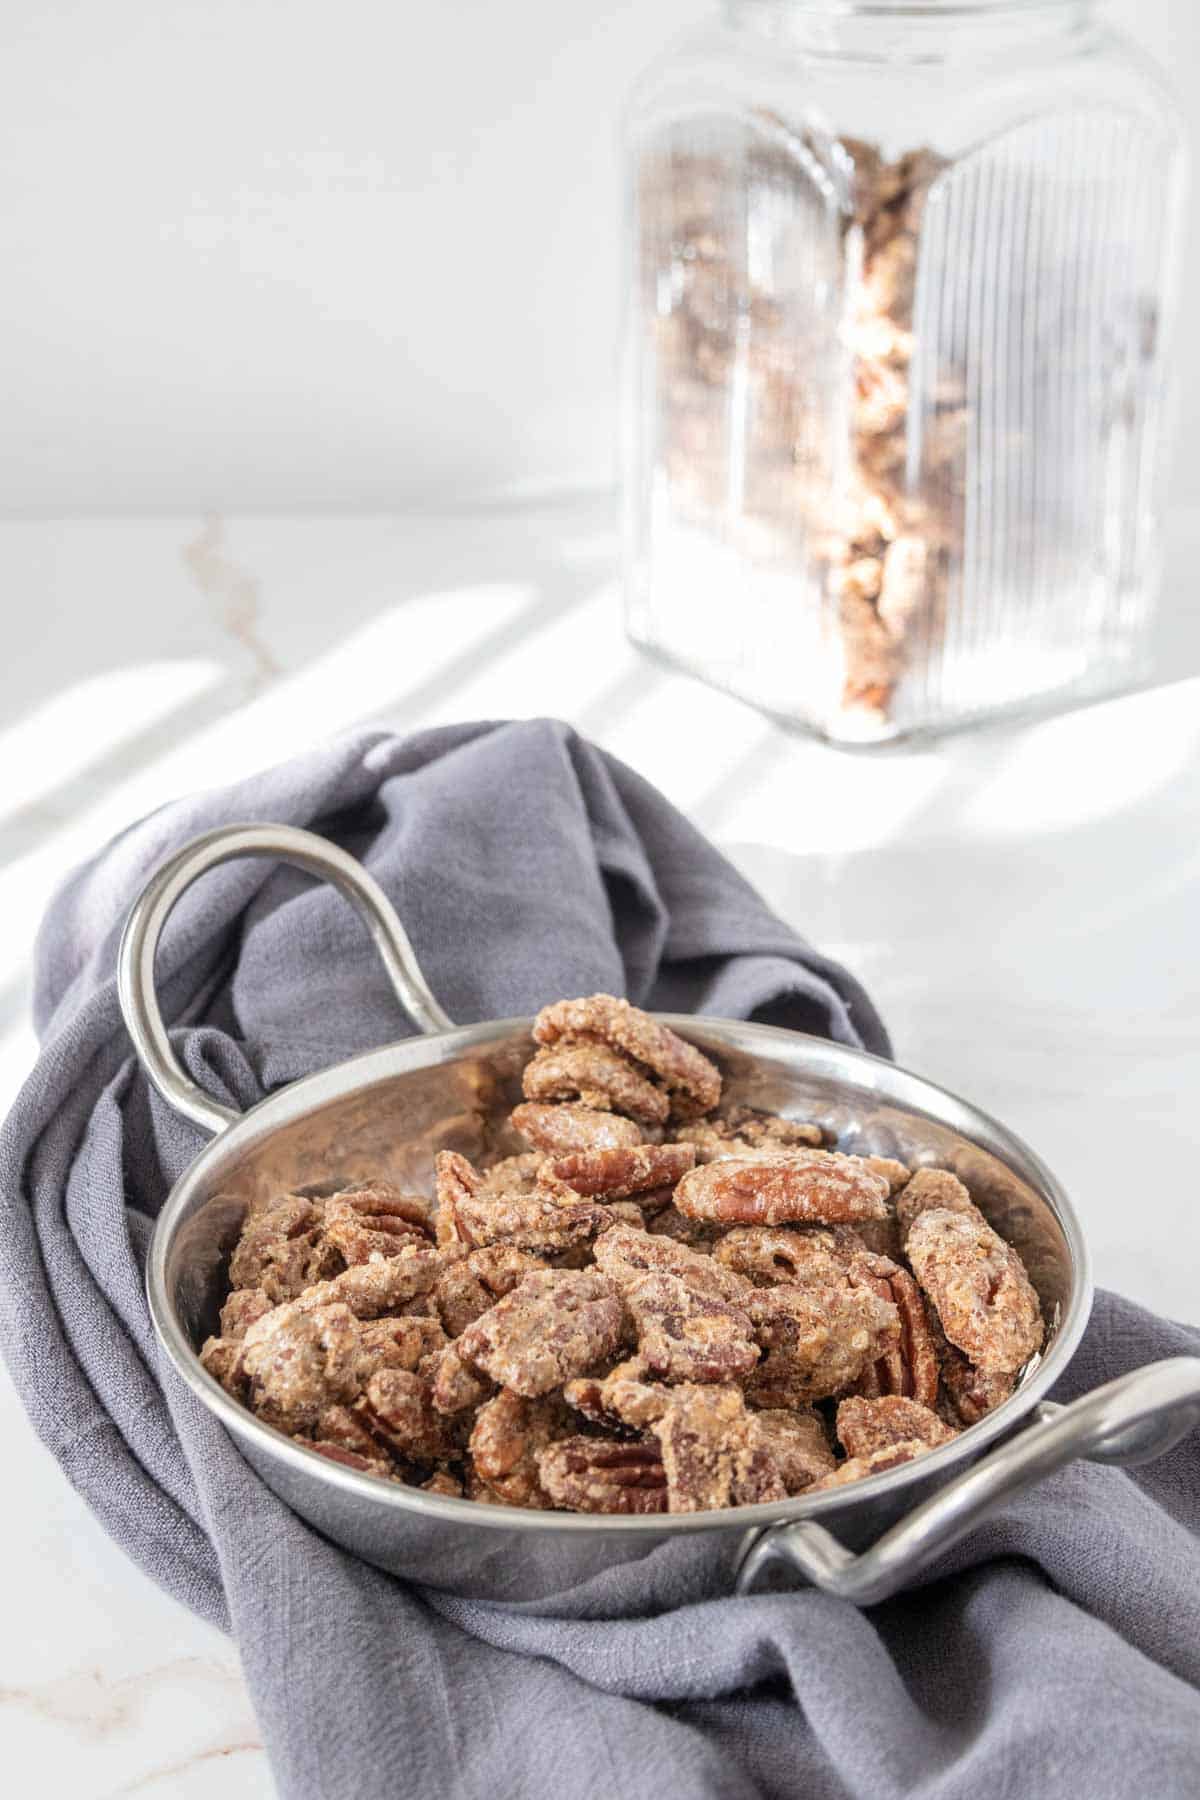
x=1132, y=1420
x=150, y=911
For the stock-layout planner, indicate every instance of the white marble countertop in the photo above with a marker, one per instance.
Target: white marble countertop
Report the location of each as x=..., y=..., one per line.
x=1022, y=902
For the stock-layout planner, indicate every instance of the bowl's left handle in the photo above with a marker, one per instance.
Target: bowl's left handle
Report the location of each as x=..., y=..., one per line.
x=317, y=856
x=1131, y=1420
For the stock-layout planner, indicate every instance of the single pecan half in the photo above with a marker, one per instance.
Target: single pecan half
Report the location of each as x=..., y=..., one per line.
x=785, y=1256
x=564, y=1128
x=816, y=1339
x=398, y=1407
x=798, y=1444
x=805, y=1187
x=684, y=1335
x=600, y=1077
x=556, y=1324
x=599, y=1475
x=986, y=1302
x=615, y=1174
x=864, y=1426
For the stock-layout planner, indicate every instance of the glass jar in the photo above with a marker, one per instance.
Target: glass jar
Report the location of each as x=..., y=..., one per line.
x=903, y=285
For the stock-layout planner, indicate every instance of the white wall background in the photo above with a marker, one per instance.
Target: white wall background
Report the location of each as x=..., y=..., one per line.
x=277, y=254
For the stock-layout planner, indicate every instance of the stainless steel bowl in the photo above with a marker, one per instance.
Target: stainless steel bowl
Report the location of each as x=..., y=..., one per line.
x=387, y=1112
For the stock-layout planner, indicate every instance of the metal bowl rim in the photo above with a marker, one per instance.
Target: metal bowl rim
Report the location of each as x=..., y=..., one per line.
x=372, y=1067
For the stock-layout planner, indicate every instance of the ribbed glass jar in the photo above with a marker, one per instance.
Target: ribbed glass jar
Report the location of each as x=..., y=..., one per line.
x=902, y=292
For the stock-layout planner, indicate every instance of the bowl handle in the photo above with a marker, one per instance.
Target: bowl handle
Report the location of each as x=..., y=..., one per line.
x=139, y=944
x=1132, y=1420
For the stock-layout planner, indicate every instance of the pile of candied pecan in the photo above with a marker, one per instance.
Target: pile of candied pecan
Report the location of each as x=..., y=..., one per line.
x=657, y=1308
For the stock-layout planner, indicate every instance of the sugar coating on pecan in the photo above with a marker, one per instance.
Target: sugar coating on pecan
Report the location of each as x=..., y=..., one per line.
x=864, y=1426
x=455, y=1385
x=692, y=1080
x=509, y=1434
x=590, y=1071
x=556, y=1324
x=242, y=1309
x=798, y=1444
x=967, y=1393
x=712, y=1451
x=683, y=1335
x=783, y=1256
x=804, y=1187
x=858, y=1468
x=444, y=1482
x=930, y=1188
x=476, y=1281
x=283, y=1249
x=745, y=1132
x=398, y=1407
x=510, y=1205
x=351, y=1459
x=375, y=1220
x=626, y=1255
x=816, y=1339
x=604, y=1475
x=615, y=1174
x=561, y=1129
x=986, y=1302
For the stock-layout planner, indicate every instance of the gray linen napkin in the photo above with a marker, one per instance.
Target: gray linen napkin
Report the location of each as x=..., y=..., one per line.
x=1058, y=1652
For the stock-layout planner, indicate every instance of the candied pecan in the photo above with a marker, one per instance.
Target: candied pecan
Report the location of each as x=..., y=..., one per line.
x=805, y=1187
x=798, y=1444
x=985, y=1301
x=713, y=1452
x=781, y=1257
x=968, y=1394
x=241, y=1310
x=557, y=1323
x=910, y=1367
x=222, y=1357
x=350, y=1459
x=282, y=1249
x=932, y=1188
x=896, y=1174
x=817, y=1339
x=398, y=1407
x=684, y=1335
x=744, y=1132
x=455, y=1386
x=564, y=1128
x=598, y=1475
x=626, y=1255
x=865, y=1426
x=693, y=1081
x=468, y=1287
x=383, y=1284
x=857, y=1468
x=603, y=1079
x=509, y=1206
x=508, y=1436
x=445, y=1482
x=338, y=1425
x=615, y=1174
x=287, y=1358
x=624, y=1212
x=375, y=1219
